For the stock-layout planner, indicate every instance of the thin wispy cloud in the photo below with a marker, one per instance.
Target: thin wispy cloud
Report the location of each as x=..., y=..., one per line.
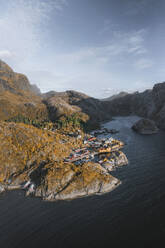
x=131, y=43
x=86, y=66
x=108, y=26
x=22, y=23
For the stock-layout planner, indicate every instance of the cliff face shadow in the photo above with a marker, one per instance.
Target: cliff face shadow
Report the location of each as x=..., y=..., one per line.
x=39, y=173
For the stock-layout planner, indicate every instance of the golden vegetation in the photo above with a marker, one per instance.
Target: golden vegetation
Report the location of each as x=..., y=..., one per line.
x=24, y=148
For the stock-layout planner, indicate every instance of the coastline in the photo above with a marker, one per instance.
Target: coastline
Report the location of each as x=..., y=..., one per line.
x=53, y=180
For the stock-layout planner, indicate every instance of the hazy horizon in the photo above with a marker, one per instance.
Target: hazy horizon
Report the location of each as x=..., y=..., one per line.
x=97, y=47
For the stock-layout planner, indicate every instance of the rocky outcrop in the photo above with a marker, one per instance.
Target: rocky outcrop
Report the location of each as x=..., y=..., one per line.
x=118, y=159
x=91, y=179
x=145, y=126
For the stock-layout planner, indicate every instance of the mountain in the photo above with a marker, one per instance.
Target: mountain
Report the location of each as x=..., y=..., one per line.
x=149, y=104
x=12, y=81
x=18, y=96
x=116, y=96
x=67, y=103
x=49, y=94
x=35, y=90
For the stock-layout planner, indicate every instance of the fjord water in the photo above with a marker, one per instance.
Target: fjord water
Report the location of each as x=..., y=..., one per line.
x=133, y=215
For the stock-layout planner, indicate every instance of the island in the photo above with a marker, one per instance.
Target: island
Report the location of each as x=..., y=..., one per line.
x=145, y=126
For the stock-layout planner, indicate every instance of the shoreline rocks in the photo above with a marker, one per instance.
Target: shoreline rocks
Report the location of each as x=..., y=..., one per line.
x=73, y=185
x=96, y=188
x=119, y=159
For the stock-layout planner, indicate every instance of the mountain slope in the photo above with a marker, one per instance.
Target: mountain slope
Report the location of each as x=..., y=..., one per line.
x=70, y=102
x=149, y=104
x=17, y=96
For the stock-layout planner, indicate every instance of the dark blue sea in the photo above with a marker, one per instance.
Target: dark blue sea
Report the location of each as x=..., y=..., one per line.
x=133, y=215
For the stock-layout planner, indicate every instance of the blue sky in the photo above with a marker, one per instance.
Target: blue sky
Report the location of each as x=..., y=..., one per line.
x=99, y=47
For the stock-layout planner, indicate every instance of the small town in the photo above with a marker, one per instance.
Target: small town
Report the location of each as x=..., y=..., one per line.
x=99, y=150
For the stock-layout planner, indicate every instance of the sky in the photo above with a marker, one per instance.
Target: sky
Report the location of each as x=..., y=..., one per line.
x=99, y=47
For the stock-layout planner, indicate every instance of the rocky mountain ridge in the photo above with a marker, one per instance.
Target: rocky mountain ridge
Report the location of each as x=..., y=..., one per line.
x=148, y=104
x=18, y=96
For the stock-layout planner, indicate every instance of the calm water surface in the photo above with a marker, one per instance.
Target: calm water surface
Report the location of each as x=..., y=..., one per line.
x=133, y=215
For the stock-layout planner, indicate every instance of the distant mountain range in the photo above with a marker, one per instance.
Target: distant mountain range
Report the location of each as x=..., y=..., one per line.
x=18, y=96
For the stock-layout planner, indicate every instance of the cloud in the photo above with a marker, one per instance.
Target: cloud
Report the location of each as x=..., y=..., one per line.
x=123, y=45
x=98, y=66
x=144, y=63
x=22, y=24
x=108, y=26
x=130, y=42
